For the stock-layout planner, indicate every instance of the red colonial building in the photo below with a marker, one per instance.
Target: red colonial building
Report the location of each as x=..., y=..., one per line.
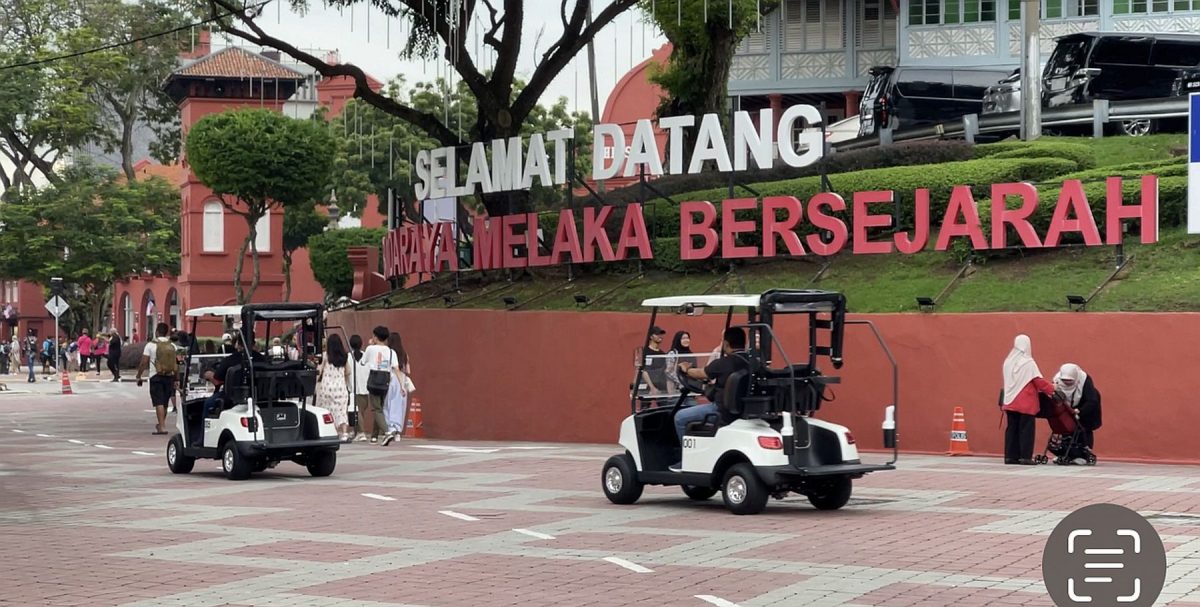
x=210, y=236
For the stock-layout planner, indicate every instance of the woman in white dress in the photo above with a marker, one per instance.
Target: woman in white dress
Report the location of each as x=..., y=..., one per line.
x=332, y=393
x=396, y=405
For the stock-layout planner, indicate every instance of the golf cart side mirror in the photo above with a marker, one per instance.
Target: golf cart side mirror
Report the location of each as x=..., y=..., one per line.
x=691, y=310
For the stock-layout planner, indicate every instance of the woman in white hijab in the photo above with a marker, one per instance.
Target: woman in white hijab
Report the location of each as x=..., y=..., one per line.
x=1022, y=383
x=1081, y=394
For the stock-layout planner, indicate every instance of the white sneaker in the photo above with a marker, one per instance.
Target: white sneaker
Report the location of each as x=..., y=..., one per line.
x=387, y=439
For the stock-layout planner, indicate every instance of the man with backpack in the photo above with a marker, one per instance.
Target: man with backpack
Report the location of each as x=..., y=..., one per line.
x=162, y=353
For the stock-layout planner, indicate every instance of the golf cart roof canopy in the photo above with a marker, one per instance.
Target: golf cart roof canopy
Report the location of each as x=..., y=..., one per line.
x=780, y=300
x=214, y=311
x=281, y=311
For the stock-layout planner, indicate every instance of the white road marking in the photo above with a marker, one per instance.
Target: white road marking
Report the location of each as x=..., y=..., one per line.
x=376, y=496
x=47, y=436
x=77, y=442
x=715, y=600
x=103, y=447
x=634, y=567
x=540, y=536
x=457, y=449
x=530, y=448
x=141, y=453
x=457, y=515
x=18, y=431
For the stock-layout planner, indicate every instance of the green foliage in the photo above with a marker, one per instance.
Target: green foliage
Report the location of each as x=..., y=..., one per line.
x=331, y=265
x=258, y=159
x=1081, y=154
x=1171, y=167
x=300, y=224
x=92, y=229
x=906, y=154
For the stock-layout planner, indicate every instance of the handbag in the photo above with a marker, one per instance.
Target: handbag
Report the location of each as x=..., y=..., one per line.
x=378, y=381
x=408, y=384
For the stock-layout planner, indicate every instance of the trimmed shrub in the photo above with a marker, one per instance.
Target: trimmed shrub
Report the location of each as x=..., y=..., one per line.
x=1172, y=167
x=331, y=264
x=1080, y=154
x=921, y=153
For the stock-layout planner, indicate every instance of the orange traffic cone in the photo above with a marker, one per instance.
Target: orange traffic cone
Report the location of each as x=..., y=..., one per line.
x=66, y=382
x=414, y=427
x=958, y=434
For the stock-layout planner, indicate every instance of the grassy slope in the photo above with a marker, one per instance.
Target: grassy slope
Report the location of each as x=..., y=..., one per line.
x=1164, y=277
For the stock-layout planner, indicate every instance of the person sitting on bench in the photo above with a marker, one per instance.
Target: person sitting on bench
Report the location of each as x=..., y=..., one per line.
x=717, y=371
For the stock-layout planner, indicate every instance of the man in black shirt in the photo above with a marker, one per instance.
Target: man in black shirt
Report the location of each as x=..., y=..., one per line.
x=717, y=371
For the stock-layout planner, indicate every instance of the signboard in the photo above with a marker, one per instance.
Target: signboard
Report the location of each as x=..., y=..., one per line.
x=57, y=306
x=502, y=242
x=1193, y=209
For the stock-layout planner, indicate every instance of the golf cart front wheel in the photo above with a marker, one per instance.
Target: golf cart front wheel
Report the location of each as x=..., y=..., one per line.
x=743, y=491
x=699, y=493
x=176, y=460
x=322, y=463
x=236, y=467
x=831, y=494
x=619, y=480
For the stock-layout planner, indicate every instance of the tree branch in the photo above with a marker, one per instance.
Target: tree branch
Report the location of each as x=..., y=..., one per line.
x=426, y=122
x=573, y=39
x=509, y=50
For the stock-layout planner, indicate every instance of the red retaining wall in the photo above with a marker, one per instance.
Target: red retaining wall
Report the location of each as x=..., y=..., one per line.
x=564, y=376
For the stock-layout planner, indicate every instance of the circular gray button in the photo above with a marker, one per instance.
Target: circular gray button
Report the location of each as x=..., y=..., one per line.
x=1104, y=555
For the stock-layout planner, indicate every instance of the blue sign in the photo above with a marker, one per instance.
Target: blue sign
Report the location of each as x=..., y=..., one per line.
x=1193, y=213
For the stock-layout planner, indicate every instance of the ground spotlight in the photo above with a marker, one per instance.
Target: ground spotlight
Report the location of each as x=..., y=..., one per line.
x=926, y=303
x=1076, y=302
x=448, y=300
x=510, y=301
x=582, y=300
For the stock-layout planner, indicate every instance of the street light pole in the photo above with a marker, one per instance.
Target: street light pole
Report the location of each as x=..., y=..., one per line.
x=591, y=53
x=1031, y=71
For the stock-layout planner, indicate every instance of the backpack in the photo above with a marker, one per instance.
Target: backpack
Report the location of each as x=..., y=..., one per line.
x=165, y=361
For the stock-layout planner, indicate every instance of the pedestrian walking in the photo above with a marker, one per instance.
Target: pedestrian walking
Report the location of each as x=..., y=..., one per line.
x=370, y=421
x=396, y=409
x=331, y=389
x=85, y=351
x=114, y=354
x=100, y=352
x=160, y=353
x=383, y=363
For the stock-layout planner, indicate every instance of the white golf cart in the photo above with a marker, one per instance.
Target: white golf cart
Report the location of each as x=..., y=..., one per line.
x=267, y=411
x=764, y=441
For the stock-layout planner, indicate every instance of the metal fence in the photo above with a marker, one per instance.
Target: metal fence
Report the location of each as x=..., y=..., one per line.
x=1099, y=114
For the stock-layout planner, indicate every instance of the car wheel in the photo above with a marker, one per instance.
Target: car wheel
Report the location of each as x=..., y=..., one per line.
x=620, y=480
x=1137, y=128
x=176, y=460
x=235, y=466
x=743, y=491
x=699, y=493
x=321, y=463
x=831, y=494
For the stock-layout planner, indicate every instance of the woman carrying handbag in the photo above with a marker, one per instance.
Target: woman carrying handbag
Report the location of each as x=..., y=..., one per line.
x=385, y=372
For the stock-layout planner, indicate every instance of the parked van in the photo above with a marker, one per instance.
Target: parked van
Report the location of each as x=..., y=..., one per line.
x=903, y=97
x=1114, y=66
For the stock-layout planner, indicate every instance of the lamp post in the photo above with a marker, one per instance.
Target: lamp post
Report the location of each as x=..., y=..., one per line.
x=1031, y=72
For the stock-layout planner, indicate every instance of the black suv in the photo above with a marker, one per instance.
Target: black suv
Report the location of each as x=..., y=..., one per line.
x=903, y=97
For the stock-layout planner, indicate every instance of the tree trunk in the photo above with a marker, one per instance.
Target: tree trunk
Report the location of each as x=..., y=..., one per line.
x=128, y=121
x=239, y=264
x=287, y=275
x=253, y=261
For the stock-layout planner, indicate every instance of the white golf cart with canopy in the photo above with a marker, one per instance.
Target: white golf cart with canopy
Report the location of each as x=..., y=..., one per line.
x=266, y=410
x=764, y=439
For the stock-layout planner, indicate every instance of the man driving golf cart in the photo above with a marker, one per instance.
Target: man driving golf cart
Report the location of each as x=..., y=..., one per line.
x=218, y=376
x=760, y=437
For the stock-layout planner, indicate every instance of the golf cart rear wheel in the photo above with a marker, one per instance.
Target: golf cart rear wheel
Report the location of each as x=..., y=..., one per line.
x=619, y=480
x=743, y=491
x=176, y=460
x=831, y=494
x=699, y=493
x=236, y=467
x=322, y=463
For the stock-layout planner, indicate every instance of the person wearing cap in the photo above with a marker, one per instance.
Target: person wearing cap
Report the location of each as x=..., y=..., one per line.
x=227, y=344
x=654, y=360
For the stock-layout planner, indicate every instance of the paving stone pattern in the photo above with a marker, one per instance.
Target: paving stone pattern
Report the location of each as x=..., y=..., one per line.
x=101, y=521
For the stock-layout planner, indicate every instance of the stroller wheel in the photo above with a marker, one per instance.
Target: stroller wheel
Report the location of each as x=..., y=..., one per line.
x=1041, y=459
x=1091, y=459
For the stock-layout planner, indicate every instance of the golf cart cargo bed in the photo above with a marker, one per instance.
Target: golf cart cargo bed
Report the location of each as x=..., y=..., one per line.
x=770, y=472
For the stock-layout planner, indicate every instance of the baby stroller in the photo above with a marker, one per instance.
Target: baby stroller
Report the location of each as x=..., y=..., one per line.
x=1064, y=443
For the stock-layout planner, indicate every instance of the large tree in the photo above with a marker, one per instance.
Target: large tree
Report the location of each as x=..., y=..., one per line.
x=128, y=85
x=704, y=36
x=91, y=228
x=442, y=29
x=255, y=160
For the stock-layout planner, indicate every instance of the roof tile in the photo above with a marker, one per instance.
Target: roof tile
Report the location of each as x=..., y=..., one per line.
x=235, y=62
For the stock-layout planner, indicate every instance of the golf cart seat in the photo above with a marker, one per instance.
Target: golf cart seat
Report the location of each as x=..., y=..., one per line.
x=705, y=427
x=235, y=390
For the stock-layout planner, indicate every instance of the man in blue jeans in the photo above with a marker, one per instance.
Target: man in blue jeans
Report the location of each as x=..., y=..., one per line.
x=717, y=371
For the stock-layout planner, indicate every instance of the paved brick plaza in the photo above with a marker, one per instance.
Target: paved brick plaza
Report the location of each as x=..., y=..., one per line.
x=89, y=515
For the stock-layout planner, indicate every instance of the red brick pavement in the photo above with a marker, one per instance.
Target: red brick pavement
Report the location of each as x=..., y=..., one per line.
x=82, y=525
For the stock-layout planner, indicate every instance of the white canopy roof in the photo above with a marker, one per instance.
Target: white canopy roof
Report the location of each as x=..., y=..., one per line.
x=715, y=301
x=235, y=311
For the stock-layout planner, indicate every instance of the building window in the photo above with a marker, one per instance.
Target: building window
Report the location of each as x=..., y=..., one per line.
x=127, y=314
x=755, y=43
x=1142, y=7
x=813, y=25
x=938, y=12
x=876, y=25
x=262, y=231
x=214, y=227
x=1058, y=9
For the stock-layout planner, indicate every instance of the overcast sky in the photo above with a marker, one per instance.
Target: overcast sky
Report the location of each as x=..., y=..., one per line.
x=621, y=45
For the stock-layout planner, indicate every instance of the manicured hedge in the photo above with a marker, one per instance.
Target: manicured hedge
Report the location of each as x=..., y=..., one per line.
x=933, y=152
x=1171, y=167
x=1082, y=155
